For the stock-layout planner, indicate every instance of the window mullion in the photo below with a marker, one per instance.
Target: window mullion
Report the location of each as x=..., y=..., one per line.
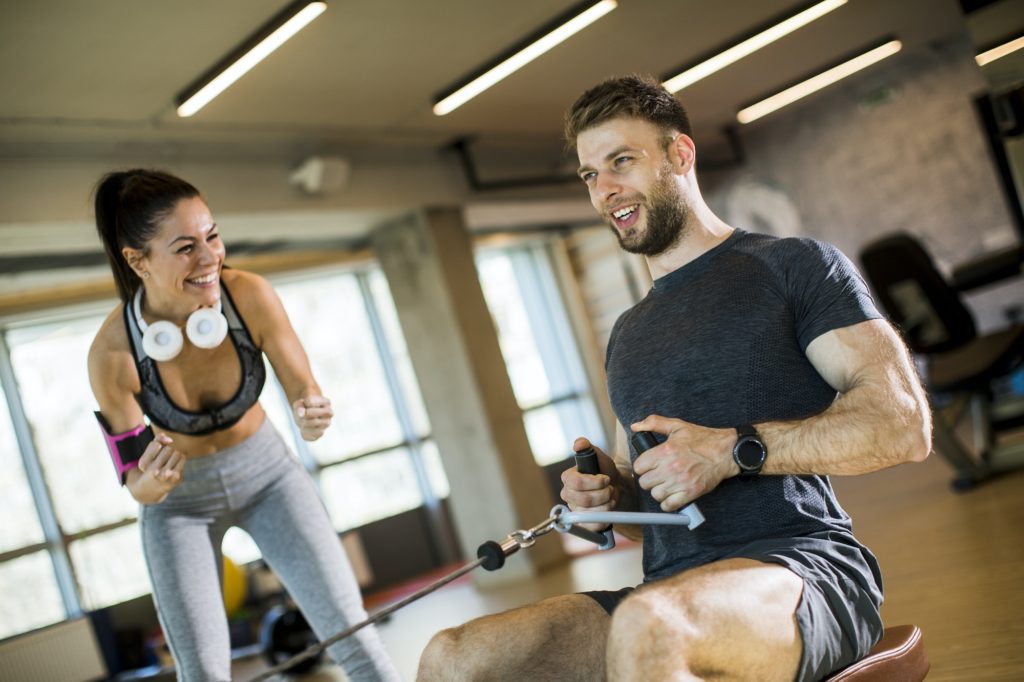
x=301, y=447
x=556, y=343
x=40, y=493
x=536, y=291
x=441, y=538
x=402, y=411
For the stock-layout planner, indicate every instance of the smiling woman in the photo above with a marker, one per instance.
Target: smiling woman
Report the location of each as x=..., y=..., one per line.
x=209, y=459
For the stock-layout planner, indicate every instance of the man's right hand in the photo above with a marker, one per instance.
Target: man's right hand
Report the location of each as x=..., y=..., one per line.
x=160, y=469
x=591, y=492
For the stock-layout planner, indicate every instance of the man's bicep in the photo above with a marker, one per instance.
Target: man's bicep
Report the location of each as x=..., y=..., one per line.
x=846, y=355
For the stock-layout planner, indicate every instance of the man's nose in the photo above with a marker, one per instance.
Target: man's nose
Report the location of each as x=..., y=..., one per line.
x=607, y=187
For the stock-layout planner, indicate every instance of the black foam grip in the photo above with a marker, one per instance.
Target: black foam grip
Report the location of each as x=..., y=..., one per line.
x=492, y=554
x=586, y=461
x=642, y=441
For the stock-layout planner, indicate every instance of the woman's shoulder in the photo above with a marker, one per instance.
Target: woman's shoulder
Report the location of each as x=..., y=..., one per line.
x=112, y=335
x=254, y=299
x=110, y=355
x=245, y=285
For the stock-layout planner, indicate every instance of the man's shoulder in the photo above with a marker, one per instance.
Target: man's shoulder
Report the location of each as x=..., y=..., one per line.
x=787, y=251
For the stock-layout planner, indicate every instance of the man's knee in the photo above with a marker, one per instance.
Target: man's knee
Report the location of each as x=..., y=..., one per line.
x=442, y=657
x=646, y=616
x=693, y=623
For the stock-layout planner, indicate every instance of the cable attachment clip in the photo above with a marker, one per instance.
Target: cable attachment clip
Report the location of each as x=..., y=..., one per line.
x=492, y=554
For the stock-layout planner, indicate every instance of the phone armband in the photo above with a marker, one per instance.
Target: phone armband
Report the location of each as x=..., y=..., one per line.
x=125, y=448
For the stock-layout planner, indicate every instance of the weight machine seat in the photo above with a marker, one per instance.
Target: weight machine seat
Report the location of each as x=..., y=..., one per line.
x=898, y=657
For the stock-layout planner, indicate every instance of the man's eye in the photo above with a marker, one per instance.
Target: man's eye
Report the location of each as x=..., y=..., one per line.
x=212, y=237
x=619, y=160
x=588, y=177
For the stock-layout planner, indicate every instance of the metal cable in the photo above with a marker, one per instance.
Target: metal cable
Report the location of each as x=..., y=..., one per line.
x=383, y=613
x=561, y=519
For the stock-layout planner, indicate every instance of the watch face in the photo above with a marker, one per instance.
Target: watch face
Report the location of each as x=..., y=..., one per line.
x=749, y=453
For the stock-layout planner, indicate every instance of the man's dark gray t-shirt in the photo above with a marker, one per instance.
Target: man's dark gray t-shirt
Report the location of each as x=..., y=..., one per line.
x=721, y=342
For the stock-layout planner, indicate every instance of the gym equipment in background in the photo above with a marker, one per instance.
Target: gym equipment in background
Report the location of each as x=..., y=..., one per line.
x=962, y=367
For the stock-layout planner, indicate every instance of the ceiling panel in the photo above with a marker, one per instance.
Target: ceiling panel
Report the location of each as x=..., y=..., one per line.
x=82, y=77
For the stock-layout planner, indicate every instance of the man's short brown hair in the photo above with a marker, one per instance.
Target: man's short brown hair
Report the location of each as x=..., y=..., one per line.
x=632, y=96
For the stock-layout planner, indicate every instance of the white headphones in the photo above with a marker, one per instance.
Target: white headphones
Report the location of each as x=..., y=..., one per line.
x=162, y=340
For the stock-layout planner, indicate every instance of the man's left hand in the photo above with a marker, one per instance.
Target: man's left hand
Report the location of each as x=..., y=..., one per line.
x=692, y=462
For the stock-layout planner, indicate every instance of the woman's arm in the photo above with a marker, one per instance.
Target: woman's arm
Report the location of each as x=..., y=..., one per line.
x=114, y=381
x=273, y=333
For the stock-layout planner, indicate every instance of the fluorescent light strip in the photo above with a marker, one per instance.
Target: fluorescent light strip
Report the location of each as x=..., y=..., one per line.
x=741, y=50
x=822, y=80
x=250, y=59
x=1001, y=51
x=523, y=57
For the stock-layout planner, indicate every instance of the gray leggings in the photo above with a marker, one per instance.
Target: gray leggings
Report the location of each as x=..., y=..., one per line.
x=259, y=486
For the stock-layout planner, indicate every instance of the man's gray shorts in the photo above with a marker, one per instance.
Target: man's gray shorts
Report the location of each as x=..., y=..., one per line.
x=838, y=610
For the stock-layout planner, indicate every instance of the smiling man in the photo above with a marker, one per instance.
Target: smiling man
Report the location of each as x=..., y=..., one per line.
x=763, y=367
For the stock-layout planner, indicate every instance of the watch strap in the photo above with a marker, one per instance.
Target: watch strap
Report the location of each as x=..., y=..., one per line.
x=745, y=430
x=747, y=434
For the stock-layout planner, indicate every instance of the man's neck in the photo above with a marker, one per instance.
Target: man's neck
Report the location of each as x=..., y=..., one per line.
x=705, y=232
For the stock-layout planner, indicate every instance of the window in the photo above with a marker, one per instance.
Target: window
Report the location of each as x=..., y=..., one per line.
x=102, y=557
x=29, y=596
x=329, y=315
x=19, y=525
x=374, y=461
x=50, y=368
x=540, y=349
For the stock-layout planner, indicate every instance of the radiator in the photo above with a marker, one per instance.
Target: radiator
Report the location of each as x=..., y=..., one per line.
x=66, y=652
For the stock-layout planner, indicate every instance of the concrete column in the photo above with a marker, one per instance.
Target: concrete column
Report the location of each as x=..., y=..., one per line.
x=496, y=486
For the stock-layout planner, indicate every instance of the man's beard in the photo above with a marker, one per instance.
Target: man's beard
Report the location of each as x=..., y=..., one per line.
x=668, y=217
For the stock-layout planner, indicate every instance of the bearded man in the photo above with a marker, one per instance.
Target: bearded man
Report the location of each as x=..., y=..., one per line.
x=764, y=367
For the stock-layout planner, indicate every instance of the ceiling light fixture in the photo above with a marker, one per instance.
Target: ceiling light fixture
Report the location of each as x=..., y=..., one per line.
x=815, y=83
x=1000, y=51
x=570, y=23
x=705, y=66
x=255, y=49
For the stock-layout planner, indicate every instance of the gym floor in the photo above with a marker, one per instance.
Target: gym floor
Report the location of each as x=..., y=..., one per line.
x=953, y=564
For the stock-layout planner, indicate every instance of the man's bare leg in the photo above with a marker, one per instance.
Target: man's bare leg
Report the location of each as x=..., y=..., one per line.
x=562, y=638
x=729, y=620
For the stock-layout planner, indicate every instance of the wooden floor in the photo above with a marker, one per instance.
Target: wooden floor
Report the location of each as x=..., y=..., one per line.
x=953, y=563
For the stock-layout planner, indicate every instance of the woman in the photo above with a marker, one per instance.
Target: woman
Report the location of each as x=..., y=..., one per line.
x=211, y=459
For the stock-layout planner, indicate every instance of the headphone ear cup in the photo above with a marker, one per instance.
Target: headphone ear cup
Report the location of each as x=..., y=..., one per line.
x=162, y=341
x=206, y=328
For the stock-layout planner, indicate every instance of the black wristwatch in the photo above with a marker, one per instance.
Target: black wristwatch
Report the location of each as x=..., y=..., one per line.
x=750, y=452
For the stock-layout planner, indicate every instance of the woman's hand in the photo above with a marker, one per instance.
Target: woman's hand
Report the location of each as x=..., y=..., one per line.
x=161, y=469
x=313, y=415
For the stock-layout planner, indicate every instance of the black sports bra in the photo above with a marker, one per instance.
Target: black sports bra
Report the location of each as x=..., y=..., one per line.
x=157, y=405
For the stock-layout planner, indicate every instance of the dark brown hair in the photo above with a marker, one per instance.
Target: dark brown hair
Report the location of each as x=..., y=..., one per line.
x=130, y=205
x=632, y=96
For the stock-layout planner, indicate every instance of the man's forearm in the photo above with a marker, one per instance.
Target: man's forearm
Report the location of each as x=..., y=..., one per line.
x=870, y=427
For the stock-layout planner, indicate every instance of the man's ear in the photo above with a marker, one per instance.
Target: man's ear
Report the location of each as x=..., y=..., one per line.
x=682, y=153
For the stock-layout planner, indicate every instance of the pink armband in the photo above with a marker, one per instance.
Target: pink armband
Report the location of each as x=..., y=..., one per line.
x=125, y=448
